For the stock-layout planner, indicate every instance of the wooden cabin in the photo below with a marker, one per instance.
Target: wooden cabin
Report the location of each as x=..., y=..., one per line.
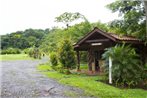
x=96, y=41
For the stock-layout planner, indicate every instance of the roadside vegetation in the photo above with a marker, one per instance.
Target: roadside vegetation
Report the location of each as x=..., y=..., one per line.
x=92, y=85
x=8, y=57
x=127, y=69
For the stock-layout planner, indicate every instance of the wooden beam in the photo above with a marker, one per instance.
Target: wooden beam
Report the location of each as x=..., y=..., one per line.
x=97, y=40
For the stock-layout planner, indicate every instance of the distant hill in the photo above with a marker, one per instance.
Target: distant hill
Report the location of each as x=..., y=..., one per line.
x=23, y=39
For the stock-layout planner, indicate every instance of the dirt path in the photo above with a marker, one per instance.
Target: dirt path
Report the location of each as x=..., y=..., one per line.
x=20, y=79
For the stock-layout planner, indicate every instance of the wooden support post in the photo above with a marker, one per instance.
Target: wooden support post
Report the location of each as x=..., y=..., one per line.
x=145, y=55
x=78, y=61
x=90, y=60
x=110, y=70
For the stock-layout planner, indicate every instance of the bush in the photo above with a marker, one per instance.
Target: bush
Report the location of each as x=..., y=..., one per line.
x=53, y=59
x=35, y=53
x=11, y=51
x=63, y=71
x=30, y=52
x=126, y=69
x=66, y=54
x=26, y=51
x=146, y=66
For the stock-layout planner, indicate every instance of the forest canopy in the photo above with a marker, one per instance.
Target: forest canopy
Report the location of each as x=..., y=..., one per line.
x=23, y=39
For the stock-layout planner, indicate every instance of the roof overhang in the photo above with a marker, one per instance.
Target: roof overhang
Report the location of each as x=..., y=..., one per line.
x=109, y=37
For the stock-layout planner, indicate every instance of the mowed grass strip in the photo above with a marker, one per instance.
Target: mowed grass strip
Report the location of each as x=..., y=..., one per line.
x=8, y=57
x=91, y=86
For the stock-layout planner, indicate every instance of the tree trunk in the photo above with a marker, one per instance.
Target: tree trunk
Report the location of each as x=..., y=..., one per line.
x=145, y=5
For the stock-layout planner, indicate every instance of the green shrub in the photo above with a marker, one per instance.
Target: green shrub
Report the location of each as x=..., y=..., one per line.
x=66, y=71
x=35, y=53
x=26, y=51
x=146, y=66
x=62, y=70
x=66, y=54
x=30, y=52
x=144, y=73
x=53, y=59
x=11, y=51
x=126, y=69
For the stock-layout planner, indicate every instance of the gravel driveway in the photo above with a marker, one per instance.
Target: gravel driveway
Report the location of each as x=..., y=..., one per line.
x=20, y=79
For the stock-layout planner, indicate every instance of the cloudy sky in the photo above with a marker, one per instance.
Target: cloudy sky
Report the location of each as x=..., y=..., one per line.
x=23, y=14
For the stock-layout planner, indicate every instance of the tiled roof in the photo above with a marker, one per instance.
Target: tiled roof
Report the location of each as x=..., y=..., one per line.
x=123, y=37
x=112, y=36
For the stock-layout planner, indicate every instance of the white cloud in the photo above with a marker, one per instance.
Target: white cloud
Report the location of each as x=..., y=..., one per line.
x=23, y=14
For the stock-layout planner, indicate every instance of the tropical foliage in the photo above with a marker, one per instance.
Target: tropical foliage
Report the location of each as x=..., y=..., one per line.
x=74, y=33
x=126, y=69
x=133, y=18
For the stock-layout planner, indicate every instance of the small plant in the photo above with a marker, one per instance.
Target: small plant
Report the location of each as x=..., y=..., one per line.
x=53, y=59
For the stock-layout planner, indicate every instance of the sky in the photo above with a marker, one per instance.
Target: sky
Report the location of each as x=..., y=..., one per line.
x=17, y=15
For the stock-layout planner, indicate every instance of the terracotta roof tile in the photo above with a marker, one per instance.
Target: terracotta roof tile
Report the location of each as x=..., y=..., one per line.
x=114, y=37
x=123, y=37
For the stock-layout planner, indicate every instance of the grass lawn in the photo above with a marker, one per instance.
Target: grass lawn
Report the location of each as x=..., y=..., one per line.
x=91, y=86
x=15, y=57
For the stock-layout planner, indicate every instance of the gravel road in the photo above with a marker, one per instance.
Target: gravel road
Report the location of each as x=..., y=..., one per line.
x=20, y=79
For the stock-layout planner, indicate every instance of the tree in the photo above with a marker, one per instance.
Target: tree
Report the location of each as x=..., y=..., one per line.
x=51, y=41
x=68, y=17
x=145, y=4
x=100, y=25
x=132, y=20
x=31, y=40
x=23, y=39
x=66, y=54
